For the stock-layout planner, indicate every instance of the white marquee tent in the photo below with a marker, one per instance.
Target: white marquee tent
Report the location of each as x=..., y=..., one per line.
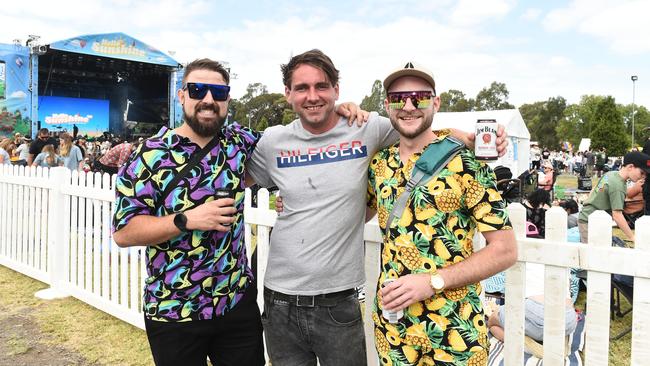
x=517, y=157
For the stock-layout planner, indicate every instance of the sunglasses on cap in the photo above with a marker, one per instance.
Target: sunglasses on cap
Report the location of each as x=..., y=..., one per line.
x=199, y=90
x=420, y=99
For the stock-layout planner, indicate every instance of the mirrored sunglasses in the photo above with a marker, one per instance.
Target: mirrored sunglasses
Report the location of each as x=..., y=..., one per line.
x=199, y=90
x=420, y=99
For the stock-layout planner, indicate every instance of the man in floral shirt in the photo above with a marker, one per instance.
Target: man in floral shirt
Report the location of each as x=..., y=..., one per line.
x=428, y=251
x=199, y=300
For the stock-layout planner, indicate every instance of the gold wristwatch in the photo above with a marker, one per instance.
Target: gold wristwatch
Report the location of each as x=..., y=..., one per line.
x=437, y=282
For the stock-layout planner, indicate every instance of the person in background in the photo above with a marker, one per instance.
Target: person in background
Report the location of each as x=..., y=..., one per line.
x=634, y=202
x=536, y=205
x=81, y=144
x=47, y=158
x=533, y=308
x=609, y=193
x=6, y=149
x=42, y=138
x=571, y=208
x=22, y=151
x=646, y=184
x=546, y=182
x=114, y=158
x=70, y=153
x=546, y=155
x=535, y=156
x=601, y=160
x=590, y=161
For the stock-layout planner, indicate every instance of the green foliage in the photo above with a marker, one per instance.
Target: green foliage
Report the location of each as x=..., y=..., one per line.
x=375, y=101
x=455, y=101
x=261, y=109
x=608, y=129
x=493, y=98
x=579, y=119
x=641, y=122
x=542, y=119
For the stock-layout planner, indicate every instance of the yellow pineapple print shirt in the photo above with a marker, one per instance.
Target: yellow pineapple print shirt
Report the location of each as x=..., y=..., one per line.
x=434, y=231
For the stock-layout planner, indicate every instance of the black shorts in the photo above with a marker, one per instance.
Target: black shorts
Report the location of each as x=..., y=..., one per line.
x=229, y=340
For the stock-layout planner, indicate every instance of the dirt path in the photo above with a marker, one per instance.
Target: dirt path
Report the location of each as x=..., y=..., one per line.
x=22, y=343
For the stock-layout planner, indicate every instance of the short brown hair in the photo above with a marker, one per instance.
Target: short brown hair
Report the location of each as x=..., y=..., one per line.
x=315, y=58
x=206, y=64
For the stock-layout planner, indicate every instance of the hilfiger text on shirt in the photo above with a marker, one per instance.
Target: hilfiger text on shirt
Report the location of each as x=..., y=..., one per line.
x=321, y=155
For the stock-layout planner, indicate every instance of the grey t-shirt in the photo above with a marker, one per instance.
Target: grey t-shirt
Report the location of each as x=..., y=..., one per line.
x=317, y=241
x=6, y=159
x=73, y=159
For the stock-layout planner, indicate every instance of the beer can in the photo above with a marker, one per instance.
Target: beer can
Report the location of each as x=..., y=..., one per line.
x=391, y=316
x=485, y=144
x=224, y=193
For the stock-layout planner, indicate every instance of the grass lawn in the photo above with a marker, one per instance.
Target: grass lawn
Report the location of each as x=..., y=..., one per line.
x=71, y=324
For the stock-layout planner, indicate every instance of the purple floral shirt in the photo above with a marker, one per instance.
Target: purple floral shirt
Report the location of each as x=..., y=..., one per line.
x=198, y=274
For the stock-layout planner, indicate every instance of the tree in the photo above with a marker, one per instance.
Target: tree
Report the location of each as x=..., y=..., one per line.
x=375, y=101
x=542, y=119
x=571, y=126
x=455, y=101
x=261, y=109
x=641, y=122
x=493, y=98
x=579, y=119
x=253, y=90
x=608, y=130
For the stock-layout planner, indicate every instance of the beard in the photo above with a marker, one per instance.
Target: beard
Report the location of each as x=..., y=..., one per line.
x=206, y=129
x=427, y=120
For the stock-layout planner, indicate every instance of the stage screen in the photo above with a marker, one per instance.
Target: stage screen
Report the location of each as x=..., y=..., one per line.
x=60, y=114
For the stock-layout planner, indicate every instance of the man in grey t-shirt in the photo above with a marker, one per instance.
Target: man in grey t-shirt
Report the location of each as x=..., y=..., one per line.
x=316, y=251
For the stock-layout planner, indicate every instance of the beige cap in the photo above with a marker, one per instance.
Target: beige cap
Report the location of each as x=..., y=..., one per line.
x=410, y=69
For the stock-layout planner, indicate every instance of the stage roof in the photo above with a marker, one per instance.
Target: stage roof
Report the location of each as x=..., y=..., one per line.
x=115, y=45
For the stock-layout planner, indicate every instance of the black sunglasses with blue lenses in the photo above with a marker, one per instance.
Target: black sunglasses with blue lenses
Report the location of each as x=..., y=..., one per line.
x=199, y=91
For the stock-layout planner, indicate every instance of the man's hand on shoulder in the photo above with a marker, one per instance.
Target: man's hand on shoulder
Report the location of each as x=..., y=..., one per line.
x=352, y=112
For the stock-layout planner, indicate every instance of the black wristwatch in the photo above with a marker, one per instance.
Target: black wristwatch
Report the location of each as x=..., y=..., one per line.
x=180, y=220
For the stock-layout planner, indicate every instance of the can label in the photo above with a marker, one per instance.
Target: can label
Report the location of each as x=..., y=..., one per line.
x=391, y=316
x=485, y=144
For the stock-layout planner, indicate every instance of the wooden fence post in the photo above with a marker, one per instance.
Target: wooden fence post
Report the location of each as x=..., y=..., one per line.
x=556, y=291
x=56, y=248
x=641, y=302
x=516, y=288
x=598, y=294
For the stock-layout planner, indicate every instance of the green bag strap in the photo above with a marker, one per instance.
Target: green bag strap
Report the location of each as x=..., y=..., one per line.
x=429, y=164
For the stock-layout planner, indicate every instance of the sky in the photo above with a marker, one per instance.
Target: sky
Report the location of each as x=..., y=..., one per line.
x=539, y=49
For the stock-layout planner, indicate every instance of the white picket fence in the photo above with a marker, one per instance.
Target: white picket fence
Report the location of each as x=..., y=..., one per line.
x=55, y=227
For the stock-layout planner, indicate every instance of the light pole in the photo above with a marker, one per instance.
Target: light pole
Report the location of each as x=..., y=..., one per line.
x=634, y=79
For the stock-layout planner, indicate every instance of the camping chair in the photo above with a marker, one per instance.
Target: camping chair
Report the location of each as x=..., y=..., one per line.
x=509, y=188
x=621, y=285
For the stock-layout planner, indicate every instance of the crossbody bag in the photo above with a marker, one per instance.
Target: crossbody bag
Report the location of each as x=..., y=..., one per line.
x=433, y=159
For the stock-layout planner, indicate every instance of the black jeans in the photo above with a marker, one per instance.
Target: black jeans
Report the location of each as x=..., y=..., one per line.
x=299, y=333
x=234, y=339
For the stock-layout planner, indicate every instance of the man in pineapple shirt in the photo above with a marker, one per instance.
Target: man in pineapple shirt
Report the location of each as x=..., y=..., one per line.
x=428, y=251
